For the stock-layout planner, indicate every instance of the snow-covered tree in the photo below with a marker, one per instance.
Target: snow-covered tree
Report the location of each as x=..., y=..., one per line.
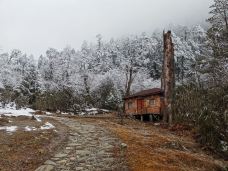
x=131, y=63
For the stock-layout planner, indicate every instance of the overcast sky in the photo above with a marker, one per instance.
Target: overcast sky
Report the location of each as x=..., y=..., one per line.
x=35, y=25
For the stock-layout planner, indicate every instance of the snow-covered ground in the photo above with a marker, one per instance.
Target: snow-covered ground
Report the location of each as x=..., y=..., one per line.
x=49, y=113
x=37, y=118
x=47, y=126
x=93, y=111
x=9, y=129
x=10, y=110
x=30, y=128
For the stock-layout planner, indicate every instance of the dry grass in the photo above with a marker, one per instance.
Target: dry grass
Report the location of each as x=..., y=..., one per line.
x=3, y=121
x=25, y=151
x=155, y=149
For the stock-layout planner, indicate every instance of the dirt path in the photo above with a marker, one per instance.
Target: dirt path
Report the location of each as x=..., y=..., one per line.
x=89, y=147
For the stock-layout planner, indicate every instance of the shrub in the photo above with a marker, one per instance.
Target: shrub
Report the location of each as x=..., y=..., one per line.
x=207, y=110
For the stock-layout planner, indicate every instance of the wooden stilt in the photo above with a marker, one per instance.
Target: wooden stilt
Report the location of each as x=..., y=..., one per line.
x=142, y=118
x=151, y=118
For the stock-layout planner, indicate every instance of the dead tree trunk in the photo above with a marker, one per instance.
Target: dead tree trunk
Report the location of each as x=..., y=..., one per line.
x=129, y=79
x=162, y=77
x=168, y=80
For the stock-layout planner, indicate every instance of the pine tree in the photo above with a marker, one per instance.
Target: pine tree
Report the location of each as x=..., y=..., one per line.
x=218, y=39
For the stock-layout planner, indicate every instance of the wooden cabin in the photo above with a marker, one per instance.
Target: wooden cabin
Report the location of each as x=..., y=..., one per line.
x=147, y=103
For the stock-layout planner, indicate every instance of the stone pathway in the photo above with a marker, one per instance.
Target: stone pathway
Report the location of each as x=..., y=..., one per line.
x=89, y=148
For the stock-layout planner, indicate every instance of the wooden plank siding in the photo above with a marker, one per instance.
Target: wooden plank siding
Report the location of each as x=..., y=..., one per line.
x=143, y=105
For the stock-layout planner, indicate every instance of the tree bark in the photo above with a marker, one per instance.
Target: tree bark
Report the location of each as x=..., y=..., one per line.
x=225, y=18
x=129, y=80
x=162, y=77
x=168, y=77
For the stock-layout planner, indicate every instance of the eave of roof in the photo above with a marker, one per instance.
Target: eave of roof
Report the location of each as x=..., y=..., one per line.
x=145, y=93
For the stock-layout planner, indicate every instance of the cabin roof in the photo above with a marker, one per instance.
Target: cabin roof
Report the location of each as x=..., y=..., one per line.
x=145, y=93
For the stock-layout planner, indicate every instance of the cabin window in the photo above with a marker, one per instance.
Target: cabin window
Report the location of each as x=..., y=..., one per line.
x=152, y=102
x=130, y=104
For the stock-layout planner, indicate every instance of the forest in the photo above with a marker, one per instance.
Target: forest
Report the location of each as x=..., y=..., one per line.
x=97, y=75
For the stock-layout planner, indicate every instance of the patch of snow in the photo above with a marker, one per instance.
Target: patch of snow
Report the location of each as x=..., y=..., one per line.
x=37, y=118
x=10, y=110
x=224, y=146
x=93, y=113
x=64, y=113
x=82, y=113
x=49, y=113
x=28, y=128
x=47, y=126
x=91, y=109
x=105, y=110
x=9, y=128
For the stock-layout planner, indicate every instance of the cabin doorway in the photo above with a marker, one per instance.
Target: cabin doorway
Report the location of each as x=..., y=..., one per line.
x=140, y=105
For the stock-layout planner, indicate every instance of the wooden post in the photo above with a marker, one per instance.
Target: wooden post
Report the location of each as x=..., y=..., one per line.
x=141, y=118
x=151, y=118
x=168, y=77
x=121, y=115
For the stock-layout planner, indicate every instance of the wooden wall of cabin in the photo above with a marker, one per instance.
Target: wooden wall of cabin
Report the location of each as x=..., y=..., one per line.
x=133, y=109
x=132, y=105
x=153, y=109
